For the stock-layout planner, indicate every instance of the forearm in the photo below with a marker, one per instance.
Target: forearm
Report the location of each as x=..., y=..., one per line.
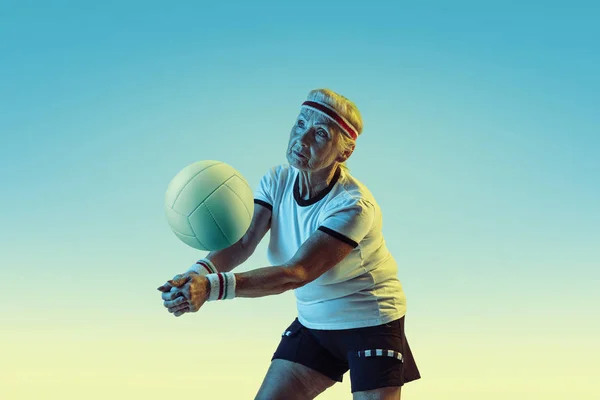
x=230, y=257
x=266, y=281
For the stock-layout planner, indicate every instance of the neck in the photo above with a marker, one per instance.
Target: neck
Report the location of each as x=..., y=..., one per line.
x=311, y=183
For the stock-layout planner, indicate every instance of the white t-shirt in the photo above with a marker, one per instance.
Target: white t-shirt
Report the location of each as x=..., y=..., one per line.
x=363, y=289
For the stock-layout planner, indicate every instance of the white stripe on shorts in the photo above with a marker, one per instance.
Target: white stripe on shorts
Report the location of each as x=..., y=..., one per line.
x=381, y=353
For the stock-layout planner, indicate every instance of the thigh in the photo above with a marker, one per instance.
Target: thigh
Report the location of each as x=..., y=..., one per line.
x=378, y=358
x=387, y=393
x=287, y=380
x=299, y=345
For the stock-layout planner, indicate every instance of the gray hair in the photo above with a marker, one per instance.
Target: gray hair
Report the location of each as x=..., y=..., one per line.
x=346, y=109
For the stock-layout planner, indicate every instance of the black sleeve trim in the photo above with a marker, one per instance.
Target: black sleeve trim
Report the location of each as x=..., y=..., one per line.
x=264, y=204
x=339, y=236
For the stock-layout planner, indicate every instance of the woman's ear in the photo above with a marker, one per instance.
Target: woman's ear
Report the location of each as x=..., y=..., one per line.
x=346, y=154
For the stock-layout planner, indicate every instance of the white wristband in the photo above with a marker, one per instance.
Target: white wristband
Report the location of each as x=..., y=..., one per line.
x=222, y=286
x=203, y=267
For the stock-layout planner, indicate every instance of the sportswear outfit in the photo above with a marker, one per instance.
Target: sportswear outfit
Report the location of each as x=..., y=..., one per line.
x=352, y=316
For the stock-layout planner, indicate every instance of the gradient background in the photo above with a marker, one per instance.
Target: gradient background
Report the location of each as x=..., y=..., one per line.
x=481, y=143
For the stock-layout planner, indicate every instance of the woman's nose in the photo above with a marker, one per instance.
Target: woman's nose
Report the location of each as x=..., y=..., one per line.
x=306, y=135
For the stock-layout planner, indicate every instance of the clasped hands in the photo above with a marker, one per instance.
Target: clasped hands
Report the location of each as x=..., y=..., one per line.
x=185, y=293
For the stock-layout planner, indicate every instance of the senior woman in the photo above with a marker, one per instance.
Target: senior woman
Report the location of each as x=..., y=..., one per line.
x=326, y=244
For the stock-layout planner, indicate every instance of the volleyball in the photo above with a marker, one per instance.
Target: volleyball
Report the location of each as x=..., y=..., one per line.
x=209, y=205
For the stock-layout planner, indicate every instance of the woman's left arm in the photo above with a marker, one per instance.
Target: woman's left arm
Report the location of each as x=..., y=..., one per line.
x=317, y=255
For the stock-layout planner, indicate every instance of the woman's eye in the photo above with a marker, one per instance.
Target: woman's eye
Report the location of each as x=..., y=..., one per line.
x=301, y=123
x=322, y=132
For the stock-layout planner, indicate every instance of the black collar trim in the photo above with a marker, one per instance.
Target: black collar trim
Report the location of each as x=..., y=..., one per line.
x=302, y=202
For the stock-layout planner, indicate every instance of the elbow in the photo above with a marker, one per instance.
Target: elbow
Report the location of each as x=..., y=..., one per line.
x=298, y=276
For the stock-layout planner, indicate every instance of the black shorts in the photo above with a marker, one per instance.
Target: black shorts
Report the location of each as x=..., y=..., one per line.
x=377, y=356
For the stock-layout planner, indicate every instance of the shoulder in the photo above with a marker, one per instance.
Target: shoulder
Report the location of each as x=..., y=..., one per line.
x=275, y=182
x=351, y=212
x=279, y=171
x=350, y=192
x=278, y=174
x=352, y=203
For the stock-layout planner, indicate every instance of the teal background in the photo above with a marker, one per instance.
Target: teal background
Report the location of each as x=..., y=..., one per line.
x=481, y=145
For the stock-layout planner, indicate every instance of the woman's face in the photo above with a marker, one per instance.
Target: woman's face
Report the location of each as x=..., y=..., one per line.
x=313, y=141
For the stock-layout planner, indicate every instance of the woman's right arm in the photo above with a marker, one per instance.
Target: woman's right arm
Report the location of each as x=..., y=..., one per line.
x=230, y=257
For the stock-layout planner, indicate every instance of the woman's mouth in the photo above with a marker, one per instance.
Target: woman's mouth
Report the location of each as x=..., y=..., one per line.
x=299, y=154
